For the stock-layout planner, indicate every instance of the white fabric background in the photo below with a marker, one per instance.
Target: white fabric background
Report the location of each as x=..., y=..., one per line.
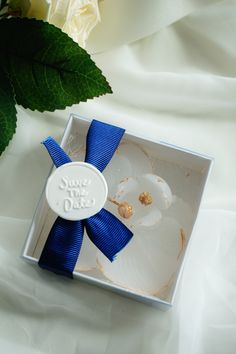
x=172, y=67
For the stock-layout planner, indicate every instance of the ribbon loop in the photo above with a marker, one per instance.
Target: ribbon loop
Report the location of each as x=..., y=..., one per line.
x=102, y=142
x=62, y=247
x=58, y=155
x=107, y=233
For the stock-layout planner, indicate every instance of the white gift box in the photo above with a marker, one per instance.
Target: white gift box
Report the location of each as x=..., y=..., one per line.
x=186, y=173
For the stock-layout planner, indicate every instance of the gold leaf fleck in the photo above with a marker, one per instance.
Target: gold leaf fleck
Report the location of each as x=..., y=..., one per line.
x=145, y=198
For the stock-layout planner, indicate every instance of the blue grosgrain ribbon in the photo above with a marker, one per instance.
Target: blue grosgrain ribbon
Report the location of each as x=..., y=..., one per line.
x=108, y=233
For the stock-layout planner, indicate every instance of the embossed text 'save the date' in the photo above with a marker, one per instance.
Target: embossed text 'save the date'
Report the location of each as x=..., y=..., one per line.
x=78, y=195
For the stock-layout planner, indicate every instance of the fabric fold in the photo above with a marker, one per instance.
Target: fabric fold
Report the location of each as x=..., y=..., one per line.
x=124, y=22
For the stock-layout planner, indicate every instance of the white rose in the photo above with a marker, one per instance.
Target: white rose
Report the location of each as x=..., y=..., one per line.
x=30, y=8
x=77, y=18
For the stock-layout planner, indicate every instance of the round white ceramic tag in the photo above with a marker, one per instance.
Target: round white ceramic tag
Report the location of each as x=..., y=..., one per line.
x=76, y=191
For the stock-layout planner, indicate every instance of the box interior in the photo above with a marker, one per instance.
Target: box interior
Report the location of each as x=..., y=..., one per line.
x=185, y=172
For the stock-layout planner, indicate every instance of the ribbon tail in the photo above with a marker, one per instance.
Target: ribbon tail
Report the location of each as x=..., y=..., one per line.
x=108, y=233
x=62, y=247
x=58, y=155
x=102, y=142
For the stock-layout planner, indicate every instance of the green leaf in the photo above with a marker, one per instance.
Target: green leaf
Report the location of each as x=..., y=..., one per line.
x=47, y=69
x=7, y=111
x=3, y=9
x=3, y=3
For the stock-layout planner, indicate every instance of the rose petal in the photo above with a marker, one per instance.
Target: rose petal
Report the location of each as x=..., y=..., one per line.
x=147, y=263
x=124, y=164
x=158, y=189
x=77, y=18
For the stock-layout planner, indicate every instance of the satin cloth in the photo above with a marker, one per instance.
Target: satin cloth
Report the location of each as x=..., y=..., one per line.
x=172, y=69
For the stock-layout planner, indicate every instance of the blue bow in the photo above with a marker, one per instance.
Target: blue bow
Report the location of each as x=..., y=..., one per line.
x=109, y=234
